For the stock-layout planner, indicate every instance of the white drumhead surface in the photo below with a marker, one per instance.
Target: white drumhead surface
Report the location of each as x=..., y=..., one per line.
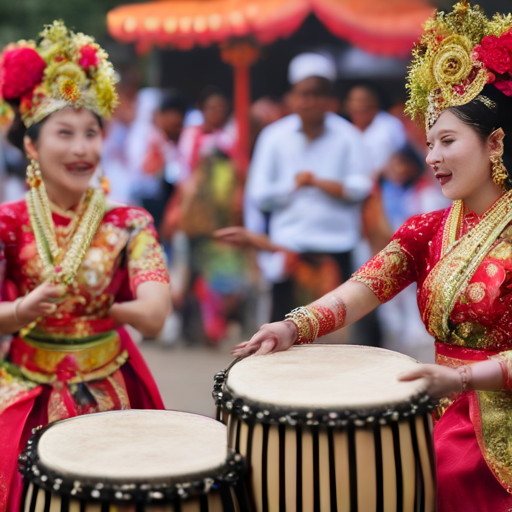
x=134, y=444
x=325, y=376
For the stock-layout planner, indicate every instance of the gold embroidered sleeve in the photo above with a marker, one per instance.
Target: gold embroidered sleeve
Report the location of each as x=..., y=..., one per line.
x=146, y=258
x=387, y=273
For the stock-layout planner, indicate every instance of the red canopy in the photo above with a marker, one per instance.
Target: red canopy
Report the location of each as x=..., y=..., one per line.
x=385, y=27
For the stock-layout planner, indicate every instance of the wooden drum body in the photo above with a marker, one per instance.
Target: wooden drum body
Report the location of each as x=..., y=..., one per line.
x=329, y=428
x=132, y=461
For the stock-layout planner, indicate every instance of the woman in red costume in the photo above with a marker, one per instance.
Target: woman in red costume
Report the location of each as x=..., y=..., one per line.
x=77, y=267
x=460, y=84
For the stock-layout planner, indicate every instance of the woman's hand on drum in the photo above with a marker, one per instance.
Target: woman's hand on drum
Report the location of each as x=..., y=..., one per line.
x=39, y=302
x=273, y=337
x=441, y=380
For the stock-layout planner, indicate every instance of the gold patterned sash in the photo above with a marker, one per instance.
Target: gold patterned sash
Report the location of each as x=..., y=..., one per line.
x=491, y=412
x=459, y=261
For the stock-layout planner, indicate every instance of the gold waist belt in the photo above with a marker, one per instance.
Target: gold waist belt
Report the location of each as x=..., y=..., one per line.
x=78, y=361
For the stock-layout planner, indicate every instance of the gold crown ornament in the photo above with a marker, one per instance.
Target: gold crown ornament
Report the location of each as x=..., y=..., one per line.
x=458, y=54
x=63, y=69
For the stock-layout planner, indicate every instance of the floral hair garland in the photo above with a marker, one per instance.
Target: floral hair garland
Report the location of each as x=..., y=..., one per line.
x=458, y=54
x=64, y=69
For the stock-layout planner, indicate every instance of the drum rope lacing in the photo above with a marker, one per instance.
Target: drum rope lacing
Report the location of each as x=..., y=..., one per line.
x=125, y=492
x=252, y=411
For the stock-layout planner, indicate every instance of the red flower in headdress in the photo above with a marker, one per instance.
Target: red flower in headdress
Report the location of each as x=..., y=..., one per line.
x=21, y=69
x=89, y=57
x=496, y=53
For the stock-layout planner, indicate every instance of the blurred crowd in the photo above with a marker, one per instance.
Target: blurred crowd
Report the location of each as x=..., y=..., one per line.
x=329, y=181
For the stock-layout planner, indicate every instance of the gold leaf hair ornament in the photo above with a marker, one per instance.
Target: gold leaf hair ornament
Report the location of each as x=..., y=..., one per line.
x=457, y=55
x=64, y=69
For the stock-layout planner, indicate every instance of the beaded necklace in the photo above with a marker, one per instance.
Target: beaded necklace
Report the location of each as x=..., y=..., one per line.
x=57, y=266
x=457, y=266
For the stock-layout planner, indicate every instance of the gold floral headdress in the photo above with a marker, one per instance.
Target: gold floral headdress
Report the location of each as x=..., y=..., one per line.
x=458, y=54
x=64, y=69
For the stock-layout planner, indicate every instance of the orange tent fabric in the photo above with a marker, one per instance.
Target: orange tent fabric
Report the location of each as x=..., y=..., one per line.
x=386, y=27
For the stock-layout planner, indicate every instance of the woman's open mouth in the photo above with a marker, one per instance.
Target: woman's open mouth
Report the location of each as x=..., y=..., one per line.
x=79, y=168
x=443, y=177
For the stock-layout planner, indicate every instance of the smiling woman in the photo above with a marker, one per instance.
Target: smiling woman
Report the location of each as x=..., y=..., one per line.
x=78, y=268
x=460, y=84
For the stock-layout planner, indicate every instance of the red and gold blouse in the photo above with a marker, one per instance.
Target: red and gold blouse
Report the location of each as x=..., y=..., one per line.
x=124, y=253
x=482, y=315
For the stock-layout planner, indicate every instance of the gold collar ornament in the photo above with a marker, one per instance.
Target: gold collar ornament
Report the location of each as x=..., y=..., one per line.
x=61, y=265
x=64, y=69
x=458, y=54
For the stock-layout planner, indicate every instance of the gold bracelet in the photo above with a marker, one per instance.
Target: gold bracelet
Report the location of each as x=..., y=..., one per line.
x=465, y=377
x=307, y=325
x=17, y=303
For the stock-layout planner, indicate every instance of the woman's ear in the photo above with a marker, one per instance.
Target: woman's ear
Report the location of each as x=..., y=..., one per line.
x=496, y=143
x=30, y=149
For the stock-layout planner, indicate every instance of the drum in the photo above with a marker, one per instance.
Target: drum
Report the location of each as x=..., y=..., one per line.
x=132, y=461
x=330, y=428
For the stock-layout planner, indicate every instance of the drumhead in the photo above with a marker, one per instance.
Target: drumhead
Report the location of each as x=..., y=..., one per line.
x=134, y=445
x=351, y=377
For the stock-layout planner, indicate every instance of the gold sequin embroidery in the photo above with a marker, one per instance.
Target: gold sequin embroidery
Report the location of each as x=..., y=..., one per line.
x=476, y=291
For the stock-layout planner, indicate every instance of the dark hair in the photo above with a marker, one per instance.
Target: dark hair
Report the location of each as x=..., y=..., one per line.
x=173, y=102
x=208, y=92
x=489, y=111
x=17, y=130
x=409, y=153
x=371, y=88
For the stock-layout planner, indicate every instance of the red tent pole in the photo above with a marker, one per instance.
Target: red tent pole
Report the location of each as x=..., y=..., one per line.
x=242, y=100
x=241, y=55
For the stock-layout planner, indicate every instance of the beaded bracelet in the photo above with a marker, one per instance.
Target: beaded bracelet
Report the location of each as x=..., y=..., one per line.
x=465, y=377
x=307, y=325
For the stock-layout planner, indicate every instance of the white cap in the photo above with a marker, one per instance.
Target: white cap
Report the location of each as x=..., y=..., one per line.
x=307, y=65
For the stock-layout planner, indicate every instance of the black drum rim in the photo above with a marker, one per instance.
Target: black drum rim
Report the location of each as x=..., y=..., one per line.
x=125, y=491
x=257, y=412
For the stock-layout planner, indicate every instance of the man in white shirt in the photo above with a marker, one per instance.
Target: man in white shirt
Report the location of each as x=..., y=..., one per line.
x=309, y=174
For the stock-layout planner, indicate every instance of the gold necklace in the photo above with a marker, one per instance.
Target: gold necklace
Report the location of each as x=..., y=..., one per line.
x=59, y=268
x=457, y=266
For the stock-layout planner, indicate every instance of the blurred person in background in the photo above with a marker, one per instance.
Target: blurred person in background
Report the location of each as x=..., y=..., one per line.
x=414, y=132
x=215, y=288
x=383, y=134
x=142, y=186
x=217, y=133
x=163, y=160
x=307, y=179
x=402, y=191
x=114, y=159
x=265, y=111
x=12, y=161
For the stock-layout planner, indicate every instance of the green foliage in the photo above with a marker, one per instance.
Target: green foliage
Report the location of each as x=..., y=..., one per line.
x=24, y=19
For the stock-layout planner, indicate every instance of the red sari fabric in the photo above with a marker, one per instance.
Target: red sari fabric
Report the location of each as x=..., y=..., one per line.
x=465, y=482
x=124, y=253
x=481, y=323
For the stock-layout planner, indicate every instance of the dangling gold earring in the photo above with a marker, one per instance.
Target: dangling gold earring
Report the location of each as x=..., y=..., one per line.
x=104, y=182
x=34, y=178
x=499, y=171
